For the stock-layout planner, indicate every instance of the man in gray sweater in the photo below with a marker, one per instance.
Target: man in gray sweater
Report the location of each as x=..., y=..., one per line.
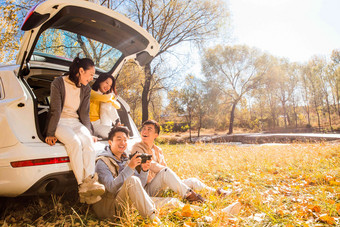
x=123, y=183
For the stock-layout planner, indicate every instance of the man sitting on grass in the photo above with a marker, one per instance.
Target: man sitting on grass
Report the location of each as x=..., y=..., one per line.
x=124, y=184
x=149, y=132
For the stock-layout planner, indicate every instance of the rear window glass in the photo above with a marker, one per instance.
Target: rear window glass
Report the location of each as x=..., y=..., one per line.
x=65, y=45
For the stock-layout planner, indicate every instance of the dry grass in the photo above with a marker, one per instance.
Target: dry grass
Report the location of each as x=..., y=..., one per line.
x=282, y=185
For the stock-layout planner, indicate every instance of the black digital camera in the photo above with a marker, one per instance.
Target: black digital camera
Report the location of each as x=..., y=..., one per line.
x=143, y=156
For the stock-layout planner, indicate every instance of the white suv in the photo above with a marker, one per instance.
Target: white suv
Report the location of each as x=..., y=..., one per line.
x=56, y=31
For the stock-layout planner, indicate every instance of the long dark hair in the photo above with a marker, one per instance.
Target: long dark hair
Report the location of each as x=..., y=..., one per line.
x=78, y=63
x=101, y=78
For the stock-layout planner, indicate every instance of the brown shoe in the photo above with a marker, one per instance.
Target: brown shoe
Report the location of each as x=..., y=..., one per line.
x=194, y=197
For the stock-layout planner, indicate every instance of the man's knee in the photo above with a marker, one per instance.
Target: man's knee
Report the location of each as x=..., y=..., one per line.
x=192, y=180
x=133, y=181
x=166, y=170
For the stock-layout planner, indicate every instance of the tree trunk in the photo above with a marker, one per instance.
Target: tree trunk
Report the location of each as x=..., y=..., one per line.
x=288, y=120
x=232, y=117
x=338, y=101
x=145, y=93
x=308, y=117
x=190, y=126
x=284, y=113
x=199, y=125
x=296, y=117
x=329, y=114
x=318, y=115
x=273, y=115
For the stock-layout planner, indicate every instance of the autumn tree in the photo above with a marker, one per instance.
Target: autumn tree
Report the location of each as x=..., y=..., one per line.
x=129, y=88
x=266, y=97
x=286, y=80
x=239, y=69
x=306, y=92
x=172, y=22
x=294, y=73
x=12, y=13
x=190, y=101
x=333, y=75
x=312, y=71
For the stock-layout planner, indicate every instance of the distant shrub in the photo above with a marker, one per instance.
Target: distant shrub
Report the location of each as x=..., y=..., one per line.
x=171, y=126
x=168, y=127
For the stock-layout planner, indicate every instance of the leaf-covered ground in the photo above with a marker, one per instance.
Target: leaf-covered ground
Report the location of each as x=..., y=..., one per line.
x=281, y=185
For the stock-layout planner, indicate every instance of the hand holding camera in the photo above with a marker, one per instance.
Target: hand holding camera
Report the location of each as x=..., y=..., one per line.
x=143, y=156
x=145, y=160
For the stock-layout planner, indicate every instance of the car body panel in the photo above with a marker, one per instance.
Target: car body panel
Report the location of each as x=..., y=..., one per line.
x=21, y=111
x=16, y=109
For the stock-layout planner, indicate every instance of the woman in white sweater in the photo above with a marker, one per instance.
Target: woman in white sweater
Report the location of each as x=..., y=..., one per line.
x=69, y=123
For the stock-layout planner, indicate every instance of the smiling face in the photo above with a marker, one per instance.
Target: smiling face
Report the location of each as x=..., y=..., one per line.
x=149, y=134
x=85, y=76
x=105, y=86
x=118, y=143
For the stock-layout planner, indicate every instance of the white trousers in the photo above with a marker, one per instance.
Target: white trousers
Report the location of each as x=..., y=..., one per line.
x=108, y=116
x=79, y=146
x=100, y=130
x=197, y=185
x=131, y=193
x=166, y=178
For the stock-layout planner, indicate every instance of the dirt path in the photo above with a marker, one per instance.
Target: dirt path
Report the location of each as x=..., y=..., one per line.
x=254, y=138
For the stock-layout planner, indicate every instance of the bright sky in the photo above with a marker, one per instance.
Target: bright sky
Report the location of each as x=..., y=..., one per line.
x=295, y=29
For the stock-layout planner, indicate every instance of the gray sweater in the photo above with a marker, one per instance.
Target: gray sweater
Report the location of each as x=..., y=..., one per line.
x=113, y=184
x=57, y=104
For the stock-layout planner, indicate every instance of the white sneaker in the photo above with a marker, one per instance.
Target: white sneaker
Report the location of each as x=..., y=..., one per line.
x=233, y=209
x=155, y=220
x=89, y=199
x=91, y=186
x=223, y=193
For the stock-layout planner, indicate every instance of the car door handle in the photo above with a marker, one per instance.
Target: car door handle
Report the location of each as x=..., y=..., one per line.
x=21, y=104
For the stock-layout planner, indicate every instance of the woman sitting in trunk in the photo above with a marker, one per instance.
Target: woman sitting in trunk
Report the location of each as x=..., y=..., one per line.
x=69, y=122
x=104, y=105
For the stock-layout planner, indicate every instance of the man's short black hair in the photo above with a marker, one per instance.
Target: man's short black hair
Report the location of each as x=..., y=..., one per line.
x=154, y=123
x=116, y=129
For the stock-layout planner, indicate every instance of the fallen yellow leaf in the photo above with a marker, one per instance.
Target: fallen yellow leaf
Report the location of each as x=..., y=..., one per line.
x=329, y=178
x=186, y=211
x=314, y=208
x=331, y=201
x=338, y=208
x=325, y=218
x=189, y=224
x=334, y=183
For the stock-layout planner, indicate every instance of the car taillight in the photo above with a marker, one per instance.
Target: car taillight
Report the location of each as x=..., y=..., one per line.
x=38, y=162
